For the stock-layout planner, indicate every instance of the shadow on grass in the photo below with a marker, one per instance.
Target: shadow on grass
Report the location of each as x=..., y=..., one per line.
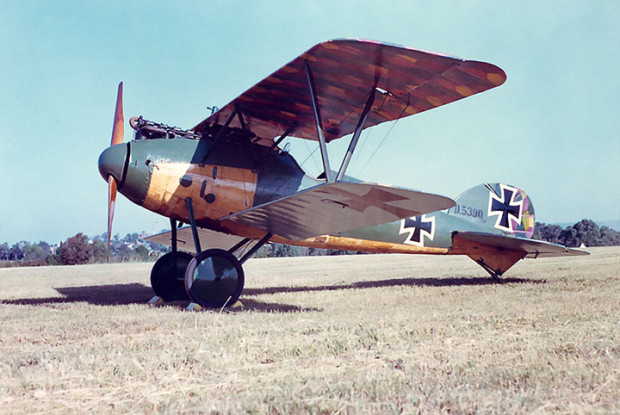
x=125, y=294
x=118, y=294
x=396, y=282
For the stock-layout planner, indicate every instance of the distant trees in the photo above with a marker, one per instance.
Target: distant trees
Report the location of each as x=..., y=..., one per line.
x=80, y=249
x=36, y=252
x=141, y=253
x=277, y=250
x=75, y=250
x=29, y=253
x=585, y=232
x=99, y=249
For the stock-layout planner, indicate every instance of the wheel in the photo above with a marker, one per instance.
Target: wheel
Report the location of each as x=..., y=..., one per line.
x=214, y=278
x=168, y=274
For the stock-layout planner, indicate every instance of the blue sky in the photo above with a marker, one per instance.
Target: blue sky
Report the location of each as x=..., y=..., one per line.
x=550, y=129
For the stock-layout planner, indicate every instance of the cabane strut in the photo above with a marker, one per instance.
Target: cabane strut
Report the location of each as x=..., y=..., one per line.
x=329, y=174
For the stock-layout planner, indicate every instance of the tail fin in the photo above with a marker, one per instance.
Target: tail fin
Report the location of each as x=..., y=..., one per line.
x=499, y=207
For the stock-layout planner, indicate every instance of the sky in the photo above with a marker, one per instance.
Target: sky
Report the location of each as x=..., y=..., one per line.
x=551, y=129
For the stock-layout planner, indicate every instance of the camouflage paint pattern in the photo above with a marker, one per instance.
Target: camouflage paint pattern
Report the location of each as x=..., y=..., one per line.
x=345, y=71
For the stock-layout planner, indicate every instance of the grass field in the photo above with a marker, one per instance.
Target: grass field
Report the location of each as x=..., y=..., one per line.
x=348, y=334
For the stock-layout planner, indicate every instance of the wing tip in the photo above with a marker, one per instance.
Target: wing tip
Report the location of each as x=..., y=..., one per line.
x=487, y=71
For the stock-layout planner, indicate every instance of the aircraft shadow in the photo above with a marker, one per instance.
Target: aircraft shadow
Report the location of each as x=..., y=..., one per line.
x=126, y=294
x=118, y=294
x=396, y=282
x=134, y=293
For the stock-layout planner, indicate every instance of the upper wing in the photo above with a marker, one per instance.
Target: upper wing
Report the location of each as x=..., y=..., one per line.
x=345, y=72
x=338, y=207
x=208, y=239
x=531, y=247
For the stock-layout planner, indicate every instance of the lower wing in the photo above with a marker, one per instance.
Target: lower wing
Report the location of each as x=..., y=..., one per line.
x=185, y=240
x=330, y=208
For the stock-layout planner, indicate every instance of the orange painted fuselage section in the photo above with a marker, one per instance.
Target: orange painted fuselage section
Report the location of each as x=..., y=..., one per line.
x=216, y=191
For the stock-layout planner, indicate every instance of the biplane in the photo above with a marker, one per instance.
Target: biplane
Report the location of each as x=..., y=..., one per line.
x=228, y=186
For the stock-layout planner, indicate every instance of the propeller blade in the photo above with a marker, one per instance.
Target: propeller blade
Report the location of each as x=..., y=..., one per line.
x=118, y=135
x=111, y=204
x=118, y=130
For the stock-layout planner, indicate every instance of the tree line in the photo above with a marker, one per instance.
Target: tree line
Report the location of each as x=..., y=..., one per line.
x=585, y=232
x=80, y=249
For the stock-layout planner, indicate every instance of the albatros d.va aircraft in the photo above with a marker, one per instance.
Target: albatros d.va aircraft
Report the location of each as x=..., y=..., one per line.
x=229, y=180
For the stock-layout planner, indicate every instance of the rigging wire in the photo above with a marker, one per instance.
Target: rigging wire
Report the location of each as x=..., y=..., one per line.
x=310, y=155
x=362, y=145
x=384, y=138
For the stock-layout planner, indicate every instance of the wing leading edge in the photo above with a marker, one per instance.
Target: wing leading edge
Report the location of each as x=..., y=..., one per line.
x=345, y=72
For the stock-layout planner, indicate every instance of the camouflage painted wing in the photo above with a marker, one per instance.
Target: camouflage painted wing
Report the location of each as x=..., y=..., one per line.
x=345, y=72
x=330, y=208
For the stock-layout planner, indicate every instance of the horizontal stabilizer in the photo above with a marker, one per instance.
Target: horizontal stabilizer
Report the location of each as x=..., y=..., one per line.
x=533, y=248
x=338, y=207
x=185, y=241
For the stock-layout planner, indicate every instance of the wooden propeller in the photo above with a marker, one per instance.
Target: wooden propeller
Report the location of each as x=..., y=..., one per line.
x=118, y=133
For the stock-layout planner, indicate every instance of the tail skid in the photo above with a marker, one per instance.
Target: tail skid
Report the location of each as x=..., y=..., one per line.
x=496, y=260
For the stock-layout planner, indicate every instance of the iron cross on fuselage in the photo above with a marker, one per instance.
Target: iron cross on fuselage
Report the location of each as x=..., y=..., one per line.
x=418, y=226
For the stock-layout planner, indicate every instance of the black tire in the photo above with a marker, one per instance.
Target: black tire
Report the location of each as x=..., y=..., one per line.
x=168, y=274
x=214, y=279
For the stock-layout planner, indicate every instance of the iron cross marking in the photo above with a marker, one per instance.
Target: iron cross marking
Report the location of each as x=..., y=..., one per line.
x=505, y=208
x=418, y=227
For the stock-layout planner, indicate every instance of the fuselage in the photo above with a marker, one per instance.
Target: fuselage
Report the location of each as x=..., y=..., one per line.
x=235, y=175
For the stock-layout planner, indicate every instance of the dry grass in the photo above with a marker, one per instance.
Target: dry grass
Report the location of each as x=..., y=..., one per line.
x=362, y=334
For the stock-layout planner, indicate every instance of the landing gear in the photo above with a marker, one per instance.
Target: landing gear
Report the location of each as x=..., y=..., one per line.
x=167, y=276
x=214, y=278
